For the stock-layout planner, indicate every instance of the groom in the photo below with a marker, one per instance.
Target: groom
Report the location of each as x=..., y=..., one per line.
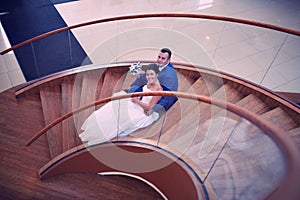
x=167, y=78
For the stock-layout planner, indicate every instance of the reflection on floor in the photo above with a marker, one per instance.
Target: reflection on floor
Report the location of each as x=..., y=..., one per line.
x=264, y=57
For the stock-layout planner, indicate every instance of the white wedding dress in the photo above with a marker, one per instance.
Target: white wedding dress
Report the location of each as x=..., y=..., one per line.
x=116, y=118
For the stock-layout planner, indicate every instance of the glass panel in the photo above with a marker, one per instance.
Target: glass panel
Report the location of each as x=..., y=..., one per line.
x=235, y=159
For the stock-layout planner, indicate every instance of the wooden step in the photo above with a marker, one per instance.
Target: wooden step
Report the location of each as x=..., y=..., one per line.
x=215, y=125
x=252, y=134
x=250, y=103
x=235, y=178
x=199, y=87
x=280, y=118
x=154, y=130
x=51, y=104
x=186, y=109
x=112, y=78
x=182, y=107
x=87, y=91
x=69, y=103
x=182, y=139
x=226, y=93
x=246, y=152
x=189, y=121
x=124, y=82
x=253, y=104
x=295, y=134
x=217, y=130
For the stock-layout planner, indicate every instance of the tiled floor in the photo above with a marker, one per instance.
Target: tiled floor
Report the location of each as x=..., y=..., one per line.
x=10, y=72
x=266, y=57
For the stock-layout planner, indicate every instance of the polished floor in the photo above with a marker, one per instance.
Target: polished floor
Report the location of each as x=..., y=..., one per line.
x=268, y=58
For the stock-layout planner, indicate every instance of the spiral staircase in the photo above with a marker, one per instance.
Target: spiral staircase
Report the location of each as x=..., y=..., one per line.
x=46, y=100
x=225, y=138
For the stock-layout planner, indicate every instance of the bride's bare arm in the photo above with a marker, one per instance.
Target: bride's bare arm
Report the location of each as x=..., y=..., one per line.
x=151, y=104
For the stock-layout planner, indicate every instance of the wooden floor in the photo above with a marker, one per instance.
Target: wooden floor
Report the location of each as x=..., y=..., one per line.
x=19, y=120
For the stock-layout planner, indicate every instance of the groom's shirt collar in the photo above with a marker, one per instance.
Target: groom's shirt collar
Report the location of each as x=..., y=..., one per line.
x=161, y=68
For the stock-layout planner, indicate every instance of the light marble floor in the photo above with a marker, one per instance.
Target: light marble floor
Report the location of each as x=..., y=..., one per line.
x=10, y=72
x=266, y=57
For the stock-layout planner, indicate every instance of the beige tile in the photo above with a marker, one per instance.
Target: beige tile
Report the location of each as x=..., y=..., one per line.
x=290, y=86
x=16, y=77
x=11, y=62
x=3, y=68
x=5, y=82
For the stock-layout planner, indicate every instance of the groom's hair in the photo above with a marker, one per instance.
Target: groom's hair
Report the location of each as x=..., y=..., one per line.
x=166, y=50
x=153, y=67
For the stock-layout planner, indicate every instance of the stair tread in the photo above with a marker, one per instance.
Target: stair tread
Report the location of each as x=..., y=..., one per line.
x=205, y=110
x=69, y=132
x=111, y=78
x=86, y=90
x=250, y=103
x=295, y=134
x=51, y=104
x=244, y=154
x=279, y=118
x=153, y=130
x=124, y=82
x=227, y=93
x=253, y=104
x=182, y=107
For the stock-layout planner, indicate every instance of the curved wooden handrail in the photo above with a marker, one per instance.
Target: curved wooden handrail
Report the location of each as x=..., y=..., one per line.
x=140, y=16
x=241, y=112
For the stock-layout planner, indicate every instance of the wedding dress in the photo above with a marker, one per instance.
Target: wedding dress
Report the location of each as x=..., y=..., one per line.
x=116, y=119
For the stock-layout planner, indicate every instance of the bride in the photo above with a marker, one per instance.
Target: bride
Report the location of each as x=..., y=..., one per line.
x=122, y=117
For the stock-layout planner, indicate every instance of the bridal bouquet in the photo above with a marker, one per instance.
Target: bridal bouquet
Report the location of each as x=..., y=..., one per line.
x=135, y=68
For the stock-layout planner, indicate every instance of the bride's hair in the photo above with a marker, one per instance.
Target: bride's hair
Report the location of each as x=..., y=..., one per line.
x=153, y=67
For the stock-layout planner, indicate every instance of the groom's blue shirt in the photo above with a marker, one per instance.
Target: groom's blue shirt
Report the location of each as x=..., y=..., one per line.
x=169, y=82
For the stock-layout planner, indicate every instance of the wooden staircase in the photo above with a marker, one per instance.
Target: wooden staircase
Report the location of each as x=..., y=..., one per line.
x=72, y=93
x=185, y=125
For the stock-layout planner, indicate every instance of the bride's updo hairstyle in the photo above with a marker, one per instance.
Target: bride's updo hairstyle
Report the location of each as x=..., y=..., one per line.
x=153, y=67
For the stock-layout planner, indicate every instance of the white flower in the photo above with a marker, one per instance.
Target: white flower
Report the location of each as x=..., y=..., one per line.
x=135, y=68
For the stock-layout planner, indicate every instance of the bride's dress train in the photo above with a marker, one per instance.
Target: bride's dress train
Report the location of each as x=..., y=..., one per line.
x=116, y=118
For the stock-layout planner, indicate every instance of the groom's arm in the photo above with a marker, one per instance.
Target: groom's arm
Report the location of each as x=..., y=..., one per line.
x=169, y=82
x=164, y=103
x=137, y=84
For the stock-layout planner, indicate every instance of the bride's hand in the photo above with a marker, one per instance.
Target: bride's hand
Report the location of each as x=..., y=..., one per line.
x=148, y=112
x=135, y=99
x=140, y=73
